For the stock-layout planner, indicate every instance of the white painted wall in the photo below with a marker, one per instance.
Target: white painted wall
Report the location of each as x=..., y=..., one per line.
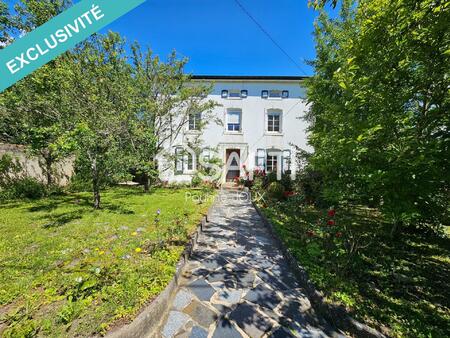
x=253, y=133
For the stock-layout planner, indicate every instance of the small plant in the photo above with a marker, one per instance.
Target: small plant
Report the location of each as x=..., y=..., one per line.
x=276, y=190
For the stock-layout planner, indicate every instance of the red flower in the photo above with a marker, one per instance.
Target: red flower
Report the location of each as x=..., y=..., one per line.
x=331, y=222
x=310, y=233
x=331, y=213
x=288, y=193
x=338, y=234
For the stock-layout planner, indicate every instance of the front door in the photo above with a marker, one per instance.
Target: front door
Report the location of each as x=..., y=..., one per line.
x=232, y=165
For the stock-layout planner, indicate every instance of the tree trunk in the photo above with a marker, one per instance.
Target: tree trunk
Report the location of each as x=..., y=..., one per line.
x=48, y=169
x=95, y=184
x=146, y=182
x=48, y=159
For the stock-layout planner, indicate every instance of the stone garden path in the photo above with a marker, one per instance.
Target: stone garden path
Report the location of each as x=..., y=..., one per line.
x=237, y=284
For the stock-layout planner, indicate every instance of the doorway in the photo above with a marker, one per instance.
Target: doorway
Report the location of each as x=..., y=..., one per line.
x=232, y=165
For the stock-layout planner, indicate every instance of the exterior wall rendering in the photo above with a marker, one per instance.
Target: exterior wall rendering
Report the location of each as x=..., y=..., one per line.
x=259, y=126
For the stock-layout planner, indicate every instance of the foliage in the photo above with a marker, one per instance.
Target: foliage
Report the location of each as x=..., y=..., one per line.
x=379, y=116
x=26, y=187
x=10, y=169
x=276, y=190
x=396, y=286
x=32, y=111
x=70, y=270
x=166, y=97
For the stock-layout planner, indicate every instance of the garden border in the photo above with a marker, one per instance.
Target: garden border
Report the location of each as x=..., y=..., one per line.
x=336, y=314
x=149, y=320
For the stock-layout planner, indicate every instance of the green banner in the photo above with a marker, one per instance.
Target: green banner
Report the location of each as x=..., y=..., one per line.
x=58, y=35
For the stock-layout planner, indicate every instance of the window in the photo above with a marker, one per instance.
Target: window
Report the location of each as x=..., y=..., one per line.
x=233, y=120
x=260, y=158
x=190, y=162
x=265, y=94
x=179, y=160
x=285, y=94
x=275, y=93
x=235, y=94
x=224, y=94
x=274, y=121
x=272, y=162
x=286, y=160
x=244, y=93
x=195, y=121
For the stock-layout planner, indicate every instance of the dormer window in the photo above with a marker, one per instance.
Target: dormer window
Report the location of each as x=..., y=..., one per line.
x=244, y=93
x=275, y=94
x=285, y=94
x=234, y=94
x=265, y=94
x=224, y=94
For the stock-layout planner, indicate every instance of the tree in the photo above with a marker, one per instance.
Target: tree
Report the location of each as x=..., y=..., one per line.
x=31, y=111
x=166, y=99
x=101, y=100
x=380, y=101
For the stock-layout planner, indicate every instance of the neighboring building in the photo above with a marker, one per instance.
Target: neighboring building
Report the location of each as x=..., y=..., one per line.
x=261, y=125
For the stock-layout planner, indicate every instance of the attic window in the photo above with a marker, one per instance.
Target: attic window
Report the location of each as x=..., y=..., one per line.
x=275, y=93
x=235, y=94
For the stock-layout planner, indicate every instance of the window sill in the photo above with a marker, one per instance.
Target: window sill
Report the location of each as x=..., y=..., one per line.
x=193, y=132
x=233, y=133
x=269, y=133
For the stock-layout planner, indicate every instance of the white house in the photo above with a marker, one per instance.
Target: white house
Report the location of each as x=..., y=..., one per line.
x=261, y=125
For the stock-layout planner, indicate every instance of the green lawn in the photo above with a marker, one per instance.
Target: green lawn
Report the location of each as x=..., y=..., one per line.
x=398, y=285
x=68, y=270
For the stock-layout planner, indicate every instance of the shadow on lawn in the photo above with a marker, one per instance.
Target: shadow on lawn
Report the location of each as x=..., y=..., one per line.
x=61, y=210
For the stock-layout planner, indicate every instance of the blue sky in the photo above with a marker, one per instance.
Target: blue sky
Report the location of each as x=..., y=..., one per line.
x=219, y=38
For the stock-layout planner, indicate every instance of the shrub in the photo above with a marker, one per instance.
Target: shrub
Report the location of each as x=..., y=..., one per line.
x=10, y=169
x=276, y=190
x=28, y=187
x=269, y=178
x=286, y=181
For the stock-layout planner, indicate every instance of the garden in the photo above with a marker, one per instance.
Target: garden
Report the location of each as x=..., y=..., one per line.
x=396, y=285
x=70, y=270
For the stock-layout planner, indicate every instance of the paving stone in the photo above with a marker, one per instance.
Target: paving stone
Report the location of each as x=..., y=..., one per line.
x=214, y=262
x=263, y=296
x=200, y=313
x=175, y=322
x=198, y=332
x=223, y=309
x=245, y=280
x=225, y=329
x=182, y=299
x=252, y=322
x=229, y=296
x=234, y=253
x=201, y=289
x=272, y=280
x=281, y=332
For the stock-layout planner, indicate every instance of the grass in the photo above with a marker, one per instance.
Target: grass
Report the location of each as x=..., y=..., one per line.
x=68, y=270
x=399, y=286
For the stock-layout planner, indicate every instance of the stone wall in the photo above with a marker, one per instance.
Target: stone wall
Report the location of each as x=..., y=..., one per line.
x=31, y=167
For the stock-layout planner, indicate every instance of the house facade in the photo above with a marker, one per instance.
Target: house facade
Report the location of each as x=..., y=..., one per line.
x=257, y=124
